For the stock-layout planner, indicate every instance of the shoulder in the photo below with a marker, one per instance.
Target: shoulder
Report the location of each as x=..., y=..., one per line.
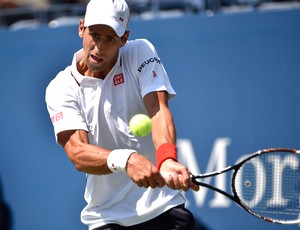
x=139, y=45
x=137, y=51
x=63, y=83
x=60, y=79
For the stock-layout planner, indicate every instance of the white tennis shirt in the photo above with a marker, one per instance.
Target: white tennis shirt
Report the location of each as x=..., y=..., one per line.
x=103, y=108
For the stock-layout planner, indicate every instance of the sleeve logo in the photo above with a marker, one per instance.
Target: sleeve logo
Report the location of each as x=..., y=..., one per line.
x=57, y=117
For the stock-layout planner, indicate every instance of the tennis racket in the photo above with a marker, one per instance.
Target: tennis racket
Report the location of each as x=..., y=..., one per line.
x=265, y=184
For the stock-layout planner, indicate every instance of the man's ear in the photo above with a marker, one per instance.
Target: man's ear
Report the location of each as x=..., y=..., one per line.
x=81, y=28
x=125, y=38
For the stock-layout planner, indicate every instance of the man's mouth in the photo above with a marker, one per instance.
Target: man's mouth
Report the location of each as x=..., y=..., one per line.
x=96, y=59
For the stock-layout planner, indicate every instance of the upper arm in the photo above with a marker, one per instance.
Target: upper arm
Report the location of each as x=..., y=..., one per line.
x=72, y=136
x=72, y=141
x=155, y=101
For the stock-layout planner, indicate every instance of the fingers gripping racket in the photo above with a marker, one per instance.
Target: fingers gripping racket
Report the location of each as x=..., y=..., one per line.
x=265, y=184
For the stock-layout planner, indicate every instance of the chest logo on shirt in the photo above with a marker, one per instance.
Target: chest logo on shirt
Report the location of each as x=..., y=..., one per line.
x=118, y=79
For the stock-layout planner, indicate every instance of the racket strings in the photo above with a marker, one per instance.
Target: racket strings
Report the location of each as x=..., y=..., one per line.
x=270, y=185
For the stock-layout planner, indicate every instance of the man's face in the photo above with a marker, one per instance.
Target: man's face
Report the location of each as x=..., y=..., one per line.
x=101, y=47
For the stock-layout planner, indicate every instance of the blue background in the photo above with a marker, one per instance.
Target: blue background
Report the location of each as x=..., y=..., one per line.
x=237, y=76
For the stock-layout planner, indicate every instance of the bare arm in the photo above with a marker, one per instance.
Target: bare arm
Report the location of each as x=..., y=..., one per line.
x=93, y=160
x=163, y=128
x=86, y=157
x=163, y=131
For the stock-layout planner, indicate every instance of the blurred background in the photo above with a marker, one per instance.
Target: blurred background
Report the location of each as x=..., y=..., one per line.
x=32, y=13
x=233, y=63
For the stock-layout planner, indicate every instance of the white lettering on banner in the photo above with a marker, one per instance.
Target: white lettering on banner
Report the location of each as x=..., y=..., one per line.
x=288, y=161
x=218, y=160
x=277, y=178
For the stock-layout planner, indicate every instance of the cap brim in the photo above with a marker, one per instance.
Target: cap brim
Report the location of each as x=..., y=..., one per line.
x=111, y=22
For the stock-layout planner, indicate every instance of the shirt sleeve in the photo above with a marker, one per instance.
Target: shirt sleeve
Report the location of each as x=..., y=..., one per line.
x=152, y=75
x=63, y=105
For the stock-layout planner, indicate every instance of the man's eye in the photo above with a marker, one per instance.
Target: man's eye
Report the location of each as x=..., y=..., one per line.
x=111, y=39
x=93, y=35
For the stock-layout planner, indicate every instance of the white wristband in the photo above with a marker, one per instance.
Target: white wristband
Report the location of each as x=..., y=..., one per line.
x=117, y=159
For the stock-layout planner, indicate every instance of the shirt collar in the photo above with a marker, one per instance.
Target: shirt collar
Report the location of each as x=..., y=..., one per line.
x=77, y=57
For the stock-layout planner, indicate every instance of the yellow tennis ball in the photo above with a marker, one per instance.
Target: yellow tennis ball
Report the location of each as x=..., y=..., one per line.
x=140, y=125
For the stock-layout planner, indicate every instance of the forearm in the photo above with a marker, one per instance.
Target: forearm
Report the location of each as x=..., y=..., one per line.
x=89, y=158
x=85, y=157
x=163, y=128
x=95, y=160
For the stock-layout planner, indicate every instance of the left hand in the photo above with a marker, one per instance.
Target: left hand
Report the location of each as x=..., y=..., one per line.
x=177, y=176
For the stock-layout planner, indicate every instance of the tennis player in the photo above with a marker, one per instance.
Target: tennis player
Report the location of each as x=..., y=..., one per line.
x=90, y=104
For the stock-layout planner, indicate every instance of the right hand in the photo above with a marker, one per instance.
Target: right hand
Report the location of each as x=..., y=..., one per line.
x=177, y=176
x=143, y=172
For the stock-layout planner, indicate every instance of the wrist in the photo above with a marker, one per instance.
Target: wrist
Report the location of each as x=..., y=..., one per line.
x=164, y=152
x=117, y=159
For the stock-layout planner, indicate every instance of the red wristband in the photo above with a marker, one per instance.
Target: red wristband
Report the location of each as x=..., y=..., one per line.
x=164, y=152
